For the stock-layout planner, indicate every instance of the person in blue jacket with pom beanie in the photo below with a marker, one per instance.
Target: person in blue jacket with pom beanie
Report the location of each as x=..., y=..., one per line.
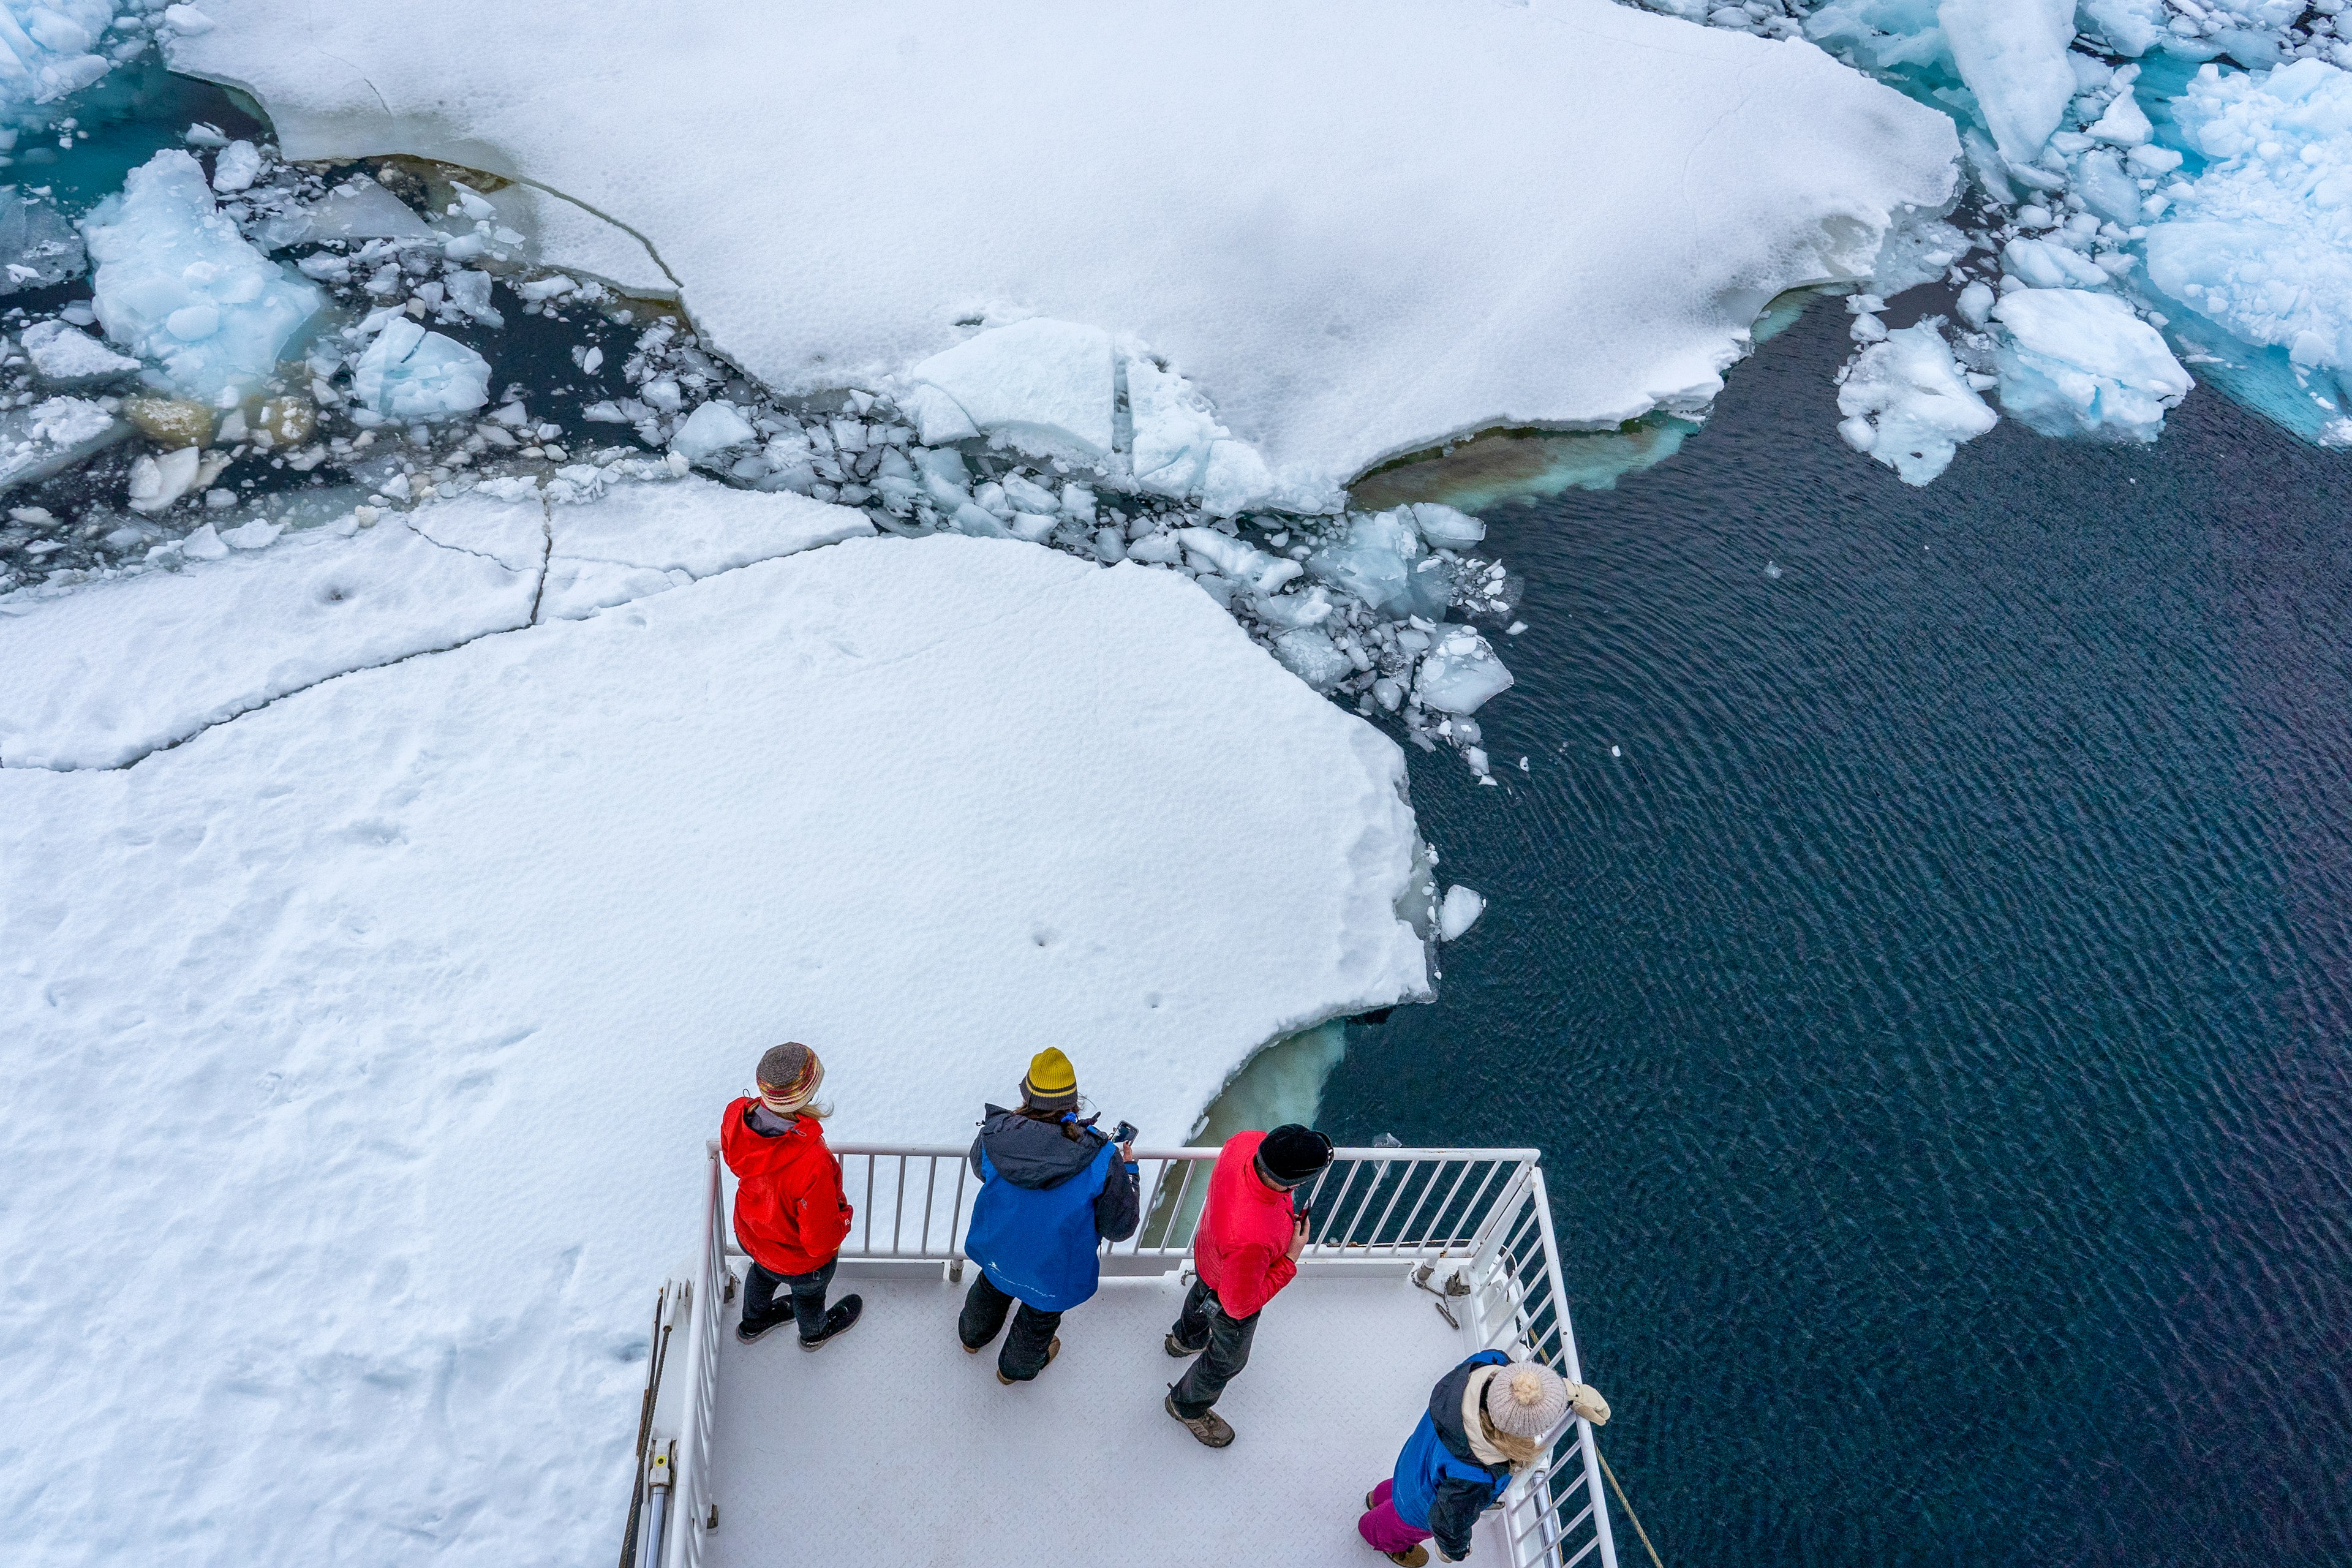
x=1488, y=1419
x=1052, y=1188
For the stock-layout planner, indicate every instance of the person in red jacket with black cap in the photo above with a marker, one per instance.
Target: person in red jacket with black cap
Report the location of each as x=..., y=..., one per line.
x=1246, y=1249
x=791, y=1213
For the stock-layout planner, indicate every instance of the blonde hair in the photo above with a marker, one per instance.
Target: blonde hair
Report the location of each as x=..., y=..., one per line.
x=1523, y=1452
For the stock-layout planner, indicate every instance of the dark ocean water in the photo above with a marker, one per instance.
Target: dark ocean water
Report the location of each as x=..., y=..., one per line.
x=1938, y=1022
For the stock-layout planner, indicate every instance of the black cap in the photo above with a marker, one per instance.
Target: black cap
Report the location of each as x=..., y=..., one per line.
x=1291, y=1153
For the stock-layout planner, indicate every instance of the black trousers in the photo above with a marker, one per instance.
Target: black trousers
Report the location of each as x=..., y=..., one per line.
x=1225, y=1347
x=805, y=1302
x=1025, y=1348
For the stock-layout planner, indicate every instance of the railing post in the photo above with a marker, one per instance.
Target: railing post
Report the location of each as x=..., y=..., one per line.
x=1574, y=1371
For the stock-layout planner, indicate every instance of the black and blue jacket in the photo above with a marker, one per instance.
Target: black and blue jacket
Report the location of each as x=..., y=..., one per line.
x=1047, y=1203
x=1439, y=1486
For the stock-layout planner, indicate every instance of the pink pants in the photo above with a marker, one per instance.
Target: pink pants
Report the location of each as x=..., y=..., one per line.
x=1382, y=1529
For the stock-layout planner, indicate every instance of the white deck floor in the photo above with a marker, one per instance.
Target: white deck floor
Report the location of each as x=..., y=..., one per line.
x=892, y=1447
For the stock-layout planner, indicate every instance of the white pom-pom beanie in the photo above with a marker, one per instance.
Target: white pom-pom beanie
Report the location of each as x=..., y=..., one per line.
x=1527, y=1399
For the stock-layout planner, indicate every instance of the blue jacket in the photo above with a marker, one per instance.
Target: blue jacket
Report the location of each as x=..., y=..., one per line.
x=1047, y=1203
x=1439, y=1485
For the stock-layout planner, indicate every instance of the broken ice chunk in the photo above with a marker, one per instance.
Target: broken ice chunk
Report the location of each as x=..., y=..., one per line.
x=1459, y=912
x=1912, y=406
x=2125, y=123
x=2078, y=364
x=409, y=373
x=1378, y=558
x=38, y=246
x=713, y=427
x=1309, y=653
x=359, y=208
x=938, y=418
x=1237, y=480
x=236, y=167
x=2012, y=56
x=1460, y=673
x=169, y=264
x=64, y=357
x=1443, y=525
x=2043, y=265
x=157, y=481
x=1243, y=563
x=1042, y=385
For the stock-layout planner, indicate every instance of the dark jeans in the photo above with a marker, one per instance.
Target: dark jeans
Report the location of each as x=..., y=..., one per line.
x=1025, y=1348
x=806, y=1301
x=1227, y=1346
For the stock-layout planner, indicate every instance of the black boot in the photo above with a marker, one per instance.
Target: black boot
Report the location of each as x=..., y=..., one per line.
x=839, y=1320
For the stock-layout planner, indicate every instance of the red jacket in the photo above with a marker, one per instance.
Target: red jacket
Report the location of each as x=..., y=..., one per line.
x=790, y=1212
x=1243, y=1247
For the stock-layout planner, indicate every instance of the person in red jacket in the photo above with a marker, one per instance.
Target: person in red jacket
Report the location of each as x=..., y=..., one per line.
x=789, y=1212
x=1246, y=1249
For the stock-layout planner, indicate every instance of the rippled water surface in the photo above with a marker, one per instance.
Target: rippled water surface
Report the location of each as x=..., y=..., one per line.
x=1936, y=1022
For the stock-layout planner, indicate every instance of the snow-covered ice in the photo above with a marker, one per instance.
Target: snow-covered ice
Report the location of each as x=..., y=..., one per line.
x=642, y=539
x=1567, y=212
x=65, y=356
x=1907, y=403
x=38, y=247
x=111, y=671
x=441, y=972
x=2078, y=364
x=178, y=285
x=52, y=435
x=409, y=373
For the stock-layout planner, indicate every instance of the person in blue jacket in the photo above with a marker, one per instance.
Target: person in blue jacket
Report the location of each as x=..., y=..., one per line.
x=1488, y=1419
x=1052, y=1188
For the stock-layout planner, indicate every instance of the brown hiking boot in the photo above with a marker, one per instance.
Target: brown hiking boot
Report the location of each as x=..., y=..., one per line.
x=1211, y=1428
x=1051, y=1352
x=1179, y=1349
x=1411, y=1556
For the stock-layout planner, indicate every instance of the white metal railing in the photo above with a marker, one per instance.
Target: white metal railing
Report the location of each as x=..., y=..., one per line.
x=691, y=1516
x=1483, y=1211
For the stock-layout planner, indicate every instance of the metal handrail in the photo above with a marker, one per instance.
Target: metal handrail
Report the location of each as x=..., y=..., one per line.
x=1501, y=1236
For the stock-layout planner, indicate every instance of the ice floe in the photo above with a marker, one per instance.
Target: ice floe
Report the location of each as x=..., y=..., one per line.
x=2078, y=364
x=1402, y=267
x=641, y=538
x=445, y=968
x=1908, y=405
x=408, y=373
x=177, y=284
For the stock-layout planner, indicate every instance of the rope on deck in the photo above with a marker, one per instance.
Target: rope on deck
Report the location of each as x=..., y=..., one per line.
x=1615, y=1487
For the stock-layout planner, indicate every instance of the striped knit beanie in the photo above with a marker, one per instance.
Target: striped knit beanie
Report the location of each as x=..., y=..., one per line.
x=789, y=1076
x=1051, y=1083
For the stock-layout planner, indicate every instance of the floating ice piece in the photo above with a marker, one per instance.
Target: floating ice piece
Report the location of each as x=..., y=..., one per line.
x=360, y=208
x=1379, y=557
x=158, y=480
x=2012, y=56
x=410, y=373
x=1460, y=673
x=2078, y=364
x=1244, y=563
x=1043, y=386
x=2123, y=123
x=2260, y=243
x=176, y=284
x=1309, y=653
x=1443, y=525
x=1458, y=911
x=1337, y=304
x=48, y=48
x=63, y=356
x=1237, y=480
x=38, y=247
x=51, y=437
x=1914, y=408
x=713, y=427
x=2133, y=27
x=641, y=538
x=2043, y=265
x=186, y=20
x=236, y=167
